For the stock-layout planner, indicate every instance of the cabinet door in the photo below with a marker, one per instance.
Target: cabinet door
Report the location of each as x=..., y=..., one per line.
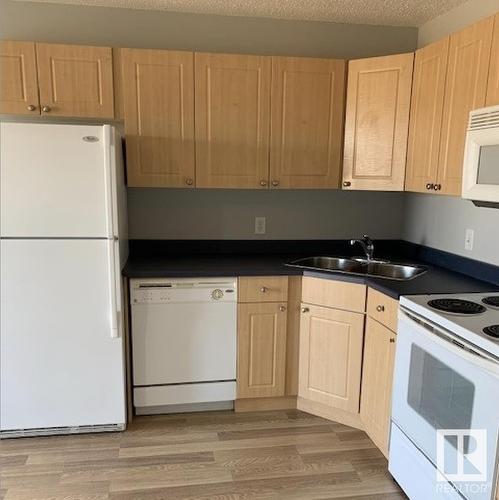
x=75, y=80
x=493, y=82
x=430, y=67
x=377, y=122
x=18, y=80
x=232, y=120
x=331, y=357
x=377, y=375
x=307, y=122
x=158, y=96
x=465, y=89
x=261, y=350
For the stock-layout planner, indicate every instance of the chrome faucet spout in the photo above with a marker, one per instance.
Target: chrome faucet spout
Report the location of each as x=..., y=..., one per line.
x=367, y=245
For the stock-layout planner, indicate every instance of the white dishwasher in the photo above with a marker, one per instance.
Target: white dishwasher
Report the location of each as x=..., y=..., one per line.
x=183, y=343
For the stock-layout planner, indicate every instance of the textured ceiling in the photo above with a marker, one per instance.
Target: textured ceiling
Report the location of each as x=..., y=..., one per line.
x=379, y=12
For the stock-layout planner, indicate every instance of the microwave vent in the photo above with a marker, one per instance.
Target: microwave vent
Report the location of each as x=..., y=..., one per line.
x=484, y=118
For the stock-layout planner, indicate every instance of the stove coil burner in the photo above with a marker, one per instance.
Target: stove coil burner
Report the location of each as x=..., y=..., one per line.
x=491, y=301
x=457, y=306
x=492, y=331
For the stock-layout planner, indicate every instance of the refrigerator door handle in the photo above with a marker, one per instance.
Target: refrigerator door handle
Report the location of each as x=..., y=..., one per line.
x=114, y=288
x=110, y=172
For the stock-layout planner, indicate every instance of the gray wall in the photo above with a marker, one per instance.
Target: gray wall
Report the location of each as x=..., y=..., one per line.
x=291, y=214
x=159, y=29
x=441, y=221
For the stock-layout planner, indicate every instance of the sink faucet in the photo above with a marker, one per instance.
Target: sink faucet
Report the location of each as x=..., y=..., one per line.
x=367, y=245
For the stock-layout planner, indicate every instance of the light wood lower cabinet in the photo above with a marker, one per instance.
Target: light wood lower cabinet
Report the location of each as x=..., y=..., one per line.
x=261, y=350
x=331, y=357
x=377, y=375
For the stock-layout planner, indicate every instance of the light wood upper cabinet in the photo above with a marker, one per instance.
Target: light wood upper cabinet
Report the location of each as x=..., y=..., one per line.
x=465, y=89
x=430, y=68
x=158, y=95
x=377, y=378
x=307, y=122
x=75, y=80
x=18, y=78
x=377, y=120
x=493, y=82
x=261, y=350
x=232, y=120
x=331, y=357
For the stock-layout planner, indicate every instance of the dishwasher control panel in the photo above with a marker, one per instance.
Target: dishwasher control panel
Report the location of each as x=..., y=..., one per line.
x=164, y=291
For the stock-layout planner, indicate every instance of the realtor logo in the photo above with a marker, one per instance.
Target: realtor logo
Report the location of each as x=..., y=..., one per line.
x=466, y=459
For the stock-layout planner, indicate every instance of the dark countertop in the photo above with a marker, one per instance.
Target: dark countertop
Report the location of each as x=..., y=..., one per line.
x=438, y=279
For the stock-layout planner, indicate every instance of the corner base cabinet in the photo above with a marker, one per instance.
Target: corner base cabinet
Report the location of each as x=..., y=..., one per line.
x=331, y=357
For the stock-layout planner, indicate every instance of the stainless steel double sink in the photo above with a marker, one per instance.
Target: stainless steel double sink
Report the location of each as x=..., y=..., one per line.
x=360, y=267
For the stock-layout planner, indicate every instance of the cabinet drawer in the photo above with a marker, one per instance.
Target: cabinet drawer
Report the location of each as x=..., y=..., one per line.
x=335, y=294
x=382, y=308
x=263, y=289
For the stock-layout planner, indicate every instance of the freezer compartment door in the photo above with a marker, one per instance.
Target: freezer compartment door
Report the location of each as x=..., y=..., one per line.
x=61, y=362
x=57, y=181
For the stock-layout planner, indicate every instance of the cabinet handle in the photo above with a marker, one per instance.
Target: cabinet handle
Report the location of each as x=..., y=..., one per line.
x=275, y=183
x=392, y=340
x=282, y=308
x=347, y=183
x=46, y=109
x=380, y=308
x=264, y=289
x=31, y=107
x=437, y=187
x=305, y=310
x=189, y=181
x=429, y=186
x=263, y=183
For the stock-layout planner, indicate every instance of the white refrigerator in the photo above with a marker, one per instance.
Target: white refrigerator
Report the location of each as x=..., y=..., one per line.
x=63, y=242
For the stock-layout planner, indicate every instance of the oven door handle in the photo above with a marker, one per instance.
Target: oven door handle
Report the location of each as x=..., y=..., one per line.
x=435, y=334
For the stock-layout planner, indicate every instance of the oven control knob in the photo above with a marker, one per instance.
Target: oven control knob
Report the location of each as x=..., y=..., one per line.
x=217, y=294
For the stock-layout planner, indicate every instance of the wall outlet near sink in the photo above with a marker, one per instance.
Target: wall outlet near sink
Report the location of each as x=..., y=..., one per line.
x=468, y=239
x=260, y=223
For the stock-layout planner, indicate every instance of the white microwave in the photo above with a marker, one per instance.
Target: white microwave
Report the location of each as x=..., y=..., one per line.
x=481, y=157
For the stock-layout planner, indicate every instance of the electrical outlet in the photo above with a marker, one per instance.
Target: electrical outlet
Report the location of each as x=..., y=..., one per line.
x=468, y=239
x=260, y=223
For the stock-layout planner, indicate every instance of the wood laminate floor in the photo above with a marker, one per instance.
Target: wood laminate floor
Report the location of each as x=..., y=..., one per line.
x=212, y=455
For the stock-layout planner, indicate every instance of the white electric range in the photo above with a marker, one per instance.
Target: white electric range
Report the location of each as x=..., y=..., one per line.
x=445, y=408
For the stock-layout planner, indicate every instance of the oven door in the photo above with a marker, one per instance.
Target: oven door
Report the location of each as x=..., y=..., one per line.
x=441, y=383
